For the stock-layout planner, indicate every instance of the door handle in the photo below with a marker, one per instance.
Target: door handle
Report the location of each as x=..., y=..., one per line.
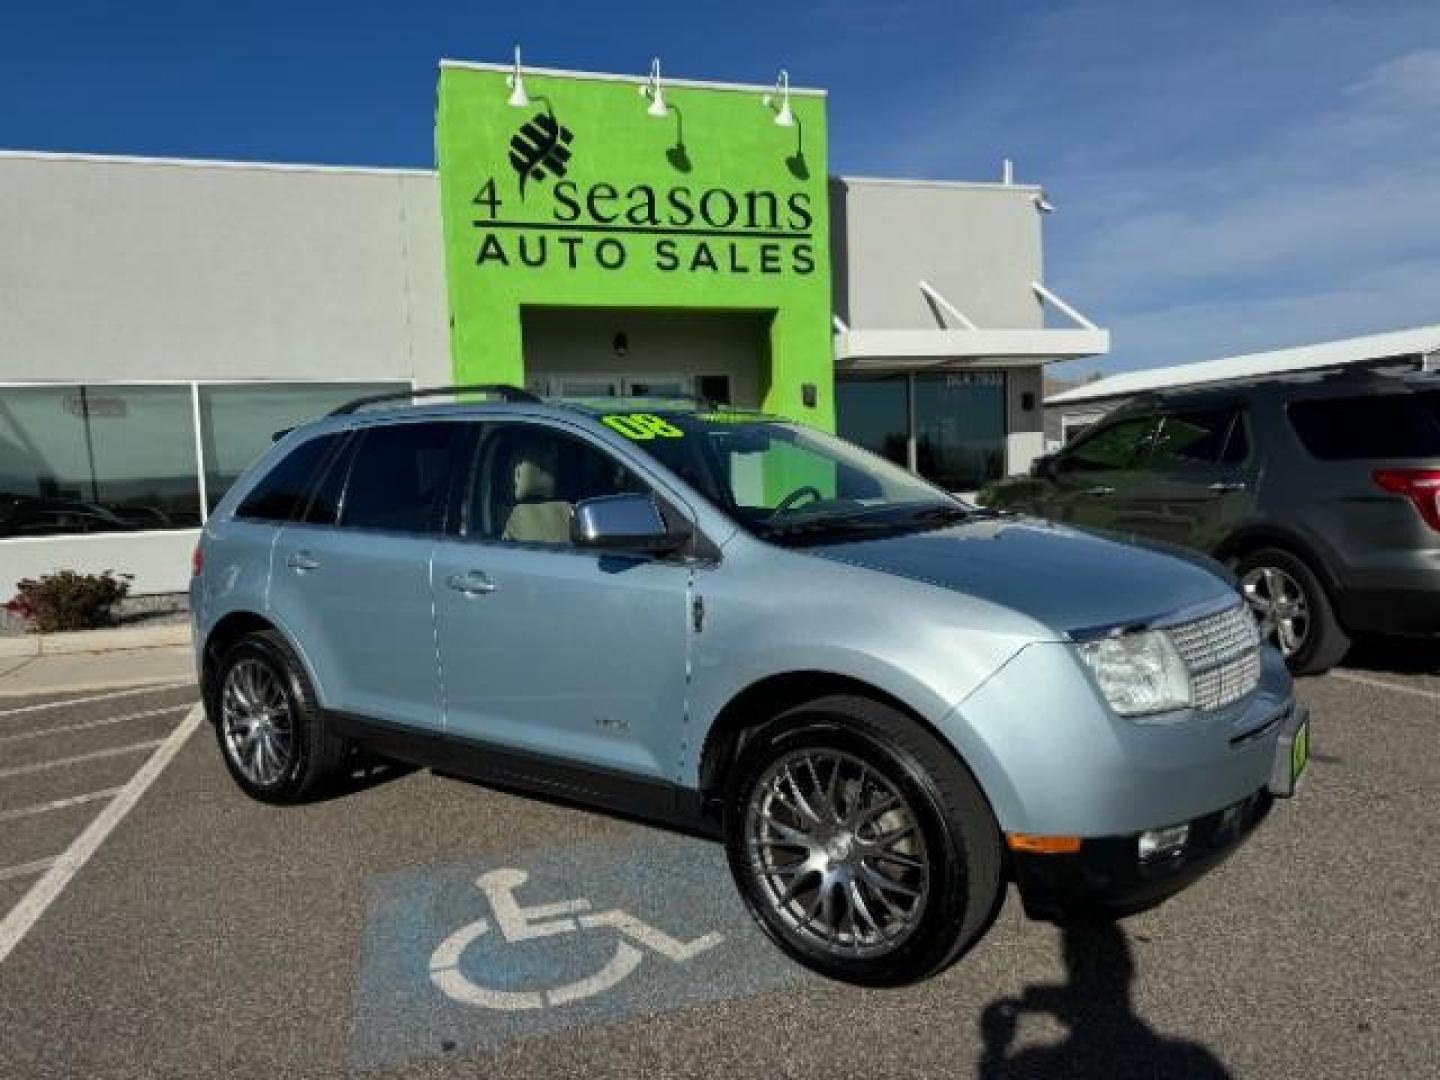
x=475, y=583
x=302, y=561
x=1221, y=486
x=1101, y=490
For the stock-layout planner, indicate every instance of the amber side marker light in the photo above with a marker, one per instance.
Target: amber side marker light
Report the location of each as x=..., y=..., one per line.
x=1030, y=844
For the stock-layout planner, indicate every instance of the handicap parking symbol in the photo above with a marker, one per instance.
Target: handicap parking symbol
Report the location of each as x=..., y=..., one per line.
x=518, y=923
x=535, y=943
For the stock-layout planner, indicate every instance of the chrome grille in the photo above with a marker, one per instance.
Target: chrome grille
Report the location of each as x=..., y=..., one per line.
x=1222, y=652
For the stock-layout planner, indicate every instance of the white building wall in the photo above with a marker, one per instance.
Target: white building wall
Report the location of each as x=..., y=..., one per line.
x=116, y=270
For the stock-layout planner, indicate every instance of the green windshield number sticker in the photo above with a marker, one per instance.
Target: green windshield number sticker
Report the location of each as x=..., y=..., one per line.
x=642, y=426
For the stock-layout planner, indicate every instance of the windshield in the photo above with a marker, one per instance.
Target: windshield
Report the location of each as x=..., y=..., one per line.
x=786, y=482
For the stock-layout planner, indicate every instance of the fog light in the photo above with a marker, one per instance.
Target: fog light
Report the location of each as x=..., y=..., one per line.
x=1163, y=843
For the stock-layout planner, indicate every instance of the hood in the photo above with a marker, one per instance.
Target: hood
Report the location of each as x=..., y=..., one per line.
x=1061, y=577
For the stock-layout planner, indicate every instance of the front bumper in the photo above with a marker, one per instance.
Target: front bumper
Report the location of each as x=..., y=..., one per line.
x=1107, y=877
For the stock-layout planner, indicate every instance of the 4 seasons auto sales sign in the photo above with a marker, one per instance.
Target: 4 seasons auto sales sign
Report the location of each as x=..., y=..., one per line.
x=583, y=198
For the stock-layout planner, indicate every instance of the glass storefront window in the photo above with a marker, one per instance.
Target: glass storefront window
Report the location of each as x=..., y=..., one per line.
x=875, y=414
x=238, y=422
x=78, y=459
x=960, y=428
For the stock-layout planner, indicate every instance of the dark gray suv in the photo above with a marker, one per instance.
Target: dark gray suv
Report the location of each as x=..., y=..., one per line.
x=1321, y=492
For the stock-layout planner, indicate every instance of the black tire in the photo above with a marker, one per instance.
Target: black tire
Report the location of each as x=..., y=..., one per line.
x=961, y=840
x=1325, y=642
x=316, y=754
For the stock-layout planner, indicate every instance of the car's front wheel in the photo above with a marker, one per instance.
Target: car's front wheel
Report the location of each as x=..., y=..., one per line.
x=272, y=733
x=860, y=843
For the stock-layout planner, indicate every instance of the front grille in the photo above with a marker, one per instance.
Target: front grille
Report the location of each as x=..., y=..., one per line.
x=1222, y=652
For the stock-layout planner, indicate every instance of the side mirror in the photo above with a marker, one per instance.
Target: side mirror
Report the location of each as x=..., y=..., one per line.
x=623, y=523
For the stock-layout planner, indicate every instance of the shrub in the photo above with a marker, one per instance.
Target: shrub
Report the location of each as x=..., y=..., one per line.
x=68, y=601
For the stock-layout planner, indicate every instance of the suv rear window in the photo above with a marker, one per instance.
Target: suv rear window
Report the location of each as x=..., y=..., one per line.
x=280, y=495
x=1373, y=426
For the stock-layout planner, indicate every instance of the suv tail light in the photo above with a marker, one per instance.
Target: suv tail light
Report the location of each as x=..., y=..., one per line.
x=197, y=560
x=1420, y=486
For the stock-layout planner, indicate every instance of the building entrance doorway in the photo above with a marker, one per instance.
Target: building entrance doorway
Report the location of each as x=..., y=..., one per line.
x=714, y=388
x=618, y=352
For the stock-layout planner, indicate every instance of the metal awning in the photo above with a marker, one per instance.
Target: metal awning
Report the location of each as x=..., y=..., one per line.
x=918, y=348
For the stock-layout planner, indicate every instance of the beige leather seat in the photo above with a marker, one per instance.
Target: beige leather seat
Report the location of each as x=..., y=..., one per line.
x=537, y=517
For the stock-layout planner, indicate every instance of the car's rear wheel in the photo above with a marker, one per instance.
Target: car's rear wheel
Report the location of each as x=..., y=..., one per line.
x=273, y=737
x=860, y=843
x=1293, y=610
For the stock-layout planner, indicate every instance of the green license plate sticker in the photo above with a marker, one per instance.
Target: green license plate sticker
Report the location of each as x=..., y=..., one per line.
x=1300, y=751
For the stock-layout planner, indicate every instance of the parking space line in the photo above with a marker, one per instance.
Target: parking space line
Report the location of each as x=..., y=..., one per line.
x=150, y=689
x=93, y=755
x=25, y=869
x=88, y=725
x=43, y=893
x=1385, y=684
x=57, y=804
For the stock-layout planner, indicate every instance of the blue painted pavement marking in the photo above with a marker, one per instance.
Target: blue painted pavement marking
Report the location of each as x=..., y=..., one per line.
x=537, y=942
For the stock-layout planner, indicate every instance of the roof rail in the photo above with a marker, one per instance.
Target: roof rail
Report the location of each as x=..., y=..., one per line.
x=504, y=391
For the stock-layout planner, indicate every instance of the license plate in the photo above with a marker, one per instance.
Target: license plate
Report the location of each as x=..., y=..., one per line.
x=1300, y=752
x=1292, y=754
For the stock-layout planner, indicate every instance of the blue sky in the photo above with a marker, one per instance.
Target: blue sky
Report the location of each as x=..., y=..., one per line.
x=1229, y=174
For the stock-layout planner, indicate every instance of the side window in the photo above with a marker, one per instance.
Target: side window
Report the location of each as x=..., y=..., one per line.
x=1375, y=426
x=1116, y=446
x=324, y=505
x=528, y=478
x=398, y=479
x=281, y=493
x=1237, y=447
x=1187, y=439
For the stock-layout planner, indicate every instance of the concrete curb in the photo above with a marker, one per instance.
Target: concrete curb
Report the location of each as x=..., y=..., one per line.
x=113, y=639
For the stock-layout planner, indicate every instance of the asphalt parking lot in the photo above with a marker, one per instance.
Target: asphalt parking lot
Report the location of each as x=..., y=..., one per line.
x=421, y=926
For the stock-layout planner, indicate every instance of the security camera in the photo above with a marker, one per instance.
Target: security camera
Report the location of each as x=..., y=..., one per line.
x=1041, y=205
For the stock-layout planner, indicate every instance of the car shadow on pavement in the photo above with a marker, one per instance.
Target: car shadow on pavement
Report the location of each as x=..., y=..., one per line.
x=1400, y=656
x=1104, y=1036
x=365, y=773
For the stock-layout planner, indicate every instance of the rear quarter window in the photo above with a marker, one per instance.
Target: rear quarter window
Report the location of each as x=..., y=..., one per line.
x=1371, y=426
x=282, y=492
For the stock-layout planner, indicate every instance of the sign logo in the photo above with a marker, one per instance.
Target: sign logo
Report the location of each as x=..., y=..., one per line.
x=540, y=148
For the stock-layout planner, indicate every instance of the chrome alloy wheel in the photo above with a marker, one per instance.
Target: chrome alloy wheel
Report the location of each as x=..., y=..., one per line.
x=1279, y=605
x=838, y=853
x=256, y=722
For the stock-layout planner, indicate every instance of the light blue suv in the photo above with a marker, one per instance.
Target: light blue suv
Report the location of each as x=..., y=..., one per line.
x=886, y=701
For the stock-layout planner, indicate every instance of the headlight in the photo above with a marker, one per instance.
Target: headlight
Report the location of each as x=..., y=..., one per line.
x=1139, y=673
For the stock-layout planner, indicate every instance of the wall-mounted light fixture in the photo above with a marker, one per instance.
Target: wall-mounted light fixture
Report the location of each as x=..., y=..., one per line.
x=518, y=99
x=783, y=116
x=652, y=89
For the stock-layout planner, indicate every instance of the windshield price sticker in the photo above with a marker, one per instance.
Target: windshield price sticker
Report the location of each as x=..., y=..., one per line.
x=641, y=427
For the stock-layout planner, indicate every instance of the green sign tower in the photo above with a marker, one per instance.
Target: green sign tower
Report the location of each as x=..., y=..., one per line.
x=591, y=195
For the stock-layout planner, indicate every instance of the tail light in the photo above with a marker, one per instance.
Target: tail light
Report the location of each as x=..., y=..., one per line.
x=197, y=561
x=1420, y=486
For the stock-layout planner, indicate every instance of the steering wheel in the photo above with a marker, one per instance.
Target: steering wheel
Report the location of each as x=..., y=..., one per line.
x=789, y=501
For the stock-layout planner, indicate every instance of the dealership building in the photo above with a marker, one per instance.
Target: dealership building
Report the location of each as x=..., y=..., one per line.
x=582, y=234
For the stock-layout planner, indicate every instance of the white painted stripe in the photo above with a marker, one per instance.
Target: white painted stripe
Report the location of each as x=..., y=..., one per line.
x=77, y=759
x=43, y=893
x=88, y=725
x=149, y=689
x=1385, y=684
x=57, y=804
x=25, y=869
